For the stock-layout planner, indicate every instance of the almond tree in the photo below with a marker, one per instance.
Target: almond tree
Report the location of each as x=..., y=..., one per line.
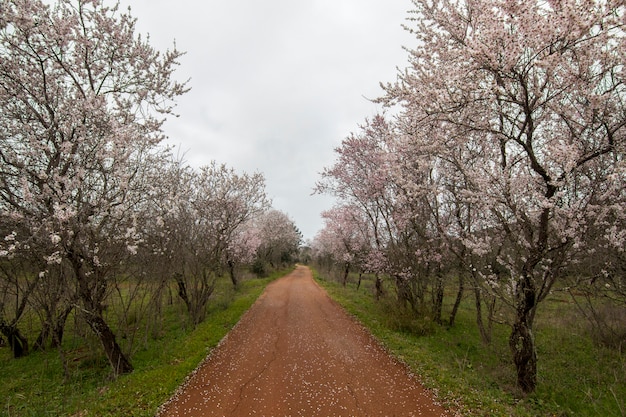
x=280, y=240
x=440, y=185
x=82, y=101
x=532, y=93
x=368, y=175
x=360, y=178
x=201, y=226
x=235, y=199
x=242, y=248
x=345, y=238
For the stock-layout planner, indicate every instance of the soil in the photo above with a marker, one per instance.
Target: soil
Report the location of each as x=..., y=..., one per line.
x=298, y=353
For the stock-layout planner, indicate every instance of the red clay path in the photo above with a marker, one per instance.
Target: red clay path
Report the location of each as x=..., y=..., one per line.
x=297, y=353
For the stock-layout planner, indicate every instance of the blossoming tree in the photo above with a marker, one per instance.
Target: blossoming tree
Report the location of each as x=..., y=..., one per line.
x=526, y=99
x=82, y=101
x=345, y=238
x=279, y=240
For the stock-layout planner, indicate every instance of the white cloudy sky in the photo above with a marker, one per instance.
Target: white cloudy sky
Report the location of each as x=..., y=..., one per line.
x=276, y=84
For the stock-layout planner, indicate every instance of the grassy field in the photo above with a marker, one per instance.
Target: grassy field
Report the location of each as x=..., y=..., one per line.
x=576, y=377
x=35, y=386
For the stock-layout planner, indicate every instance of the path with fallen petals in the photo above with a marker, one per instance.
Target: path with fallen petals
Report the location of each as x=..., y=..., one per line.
x=297, y=353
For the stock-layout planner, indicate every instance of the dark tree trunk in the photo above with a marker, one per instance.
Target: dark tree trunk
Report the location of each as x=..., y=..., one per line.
x=358, y=285
x=438, y=299
x=59, y=327
x=91, y=294
x=417, y=289
x=233, y=276
x=524, y=355
x=346, y=271
x=44, y=334
x=16, y=341
x=485, y=333
x=196, y=296
x=117, y=359
x=522, y=341
x=379, y=287
x=182, y=291
x=457, y=301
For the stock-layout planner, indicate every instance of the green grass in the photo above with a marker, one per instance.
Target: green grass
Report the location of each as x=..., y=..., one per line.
x=576, y=377
x=34, y=385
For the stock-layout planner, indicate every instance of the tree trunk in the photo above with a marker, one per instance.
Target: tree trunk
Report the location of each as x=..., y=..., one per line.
x=522, y=345
x=358, y=285
x=438, y=299
x=182, y=291
x=92, y=311
x=58, y=329
x=522, y=341
x=196, y=296
x=17, y=342
x=379, y=287
x=44, y=334
x=346, y=271
x=485, y=334
x=117, y=359
x=232, y=273
x=457, y=301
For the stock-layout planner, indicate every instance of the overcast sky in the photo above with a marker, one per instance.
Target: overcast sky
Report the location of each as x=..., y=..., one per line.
x=276, y=84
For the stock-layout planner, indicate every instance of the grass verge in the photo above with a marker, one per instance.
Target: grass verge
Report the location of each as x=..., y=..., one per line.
x=576, y=377
x=34, y=385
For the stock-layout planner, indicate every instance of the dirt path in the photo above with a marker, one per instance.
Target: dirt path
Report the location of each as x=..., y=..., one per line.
x=297, y=353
